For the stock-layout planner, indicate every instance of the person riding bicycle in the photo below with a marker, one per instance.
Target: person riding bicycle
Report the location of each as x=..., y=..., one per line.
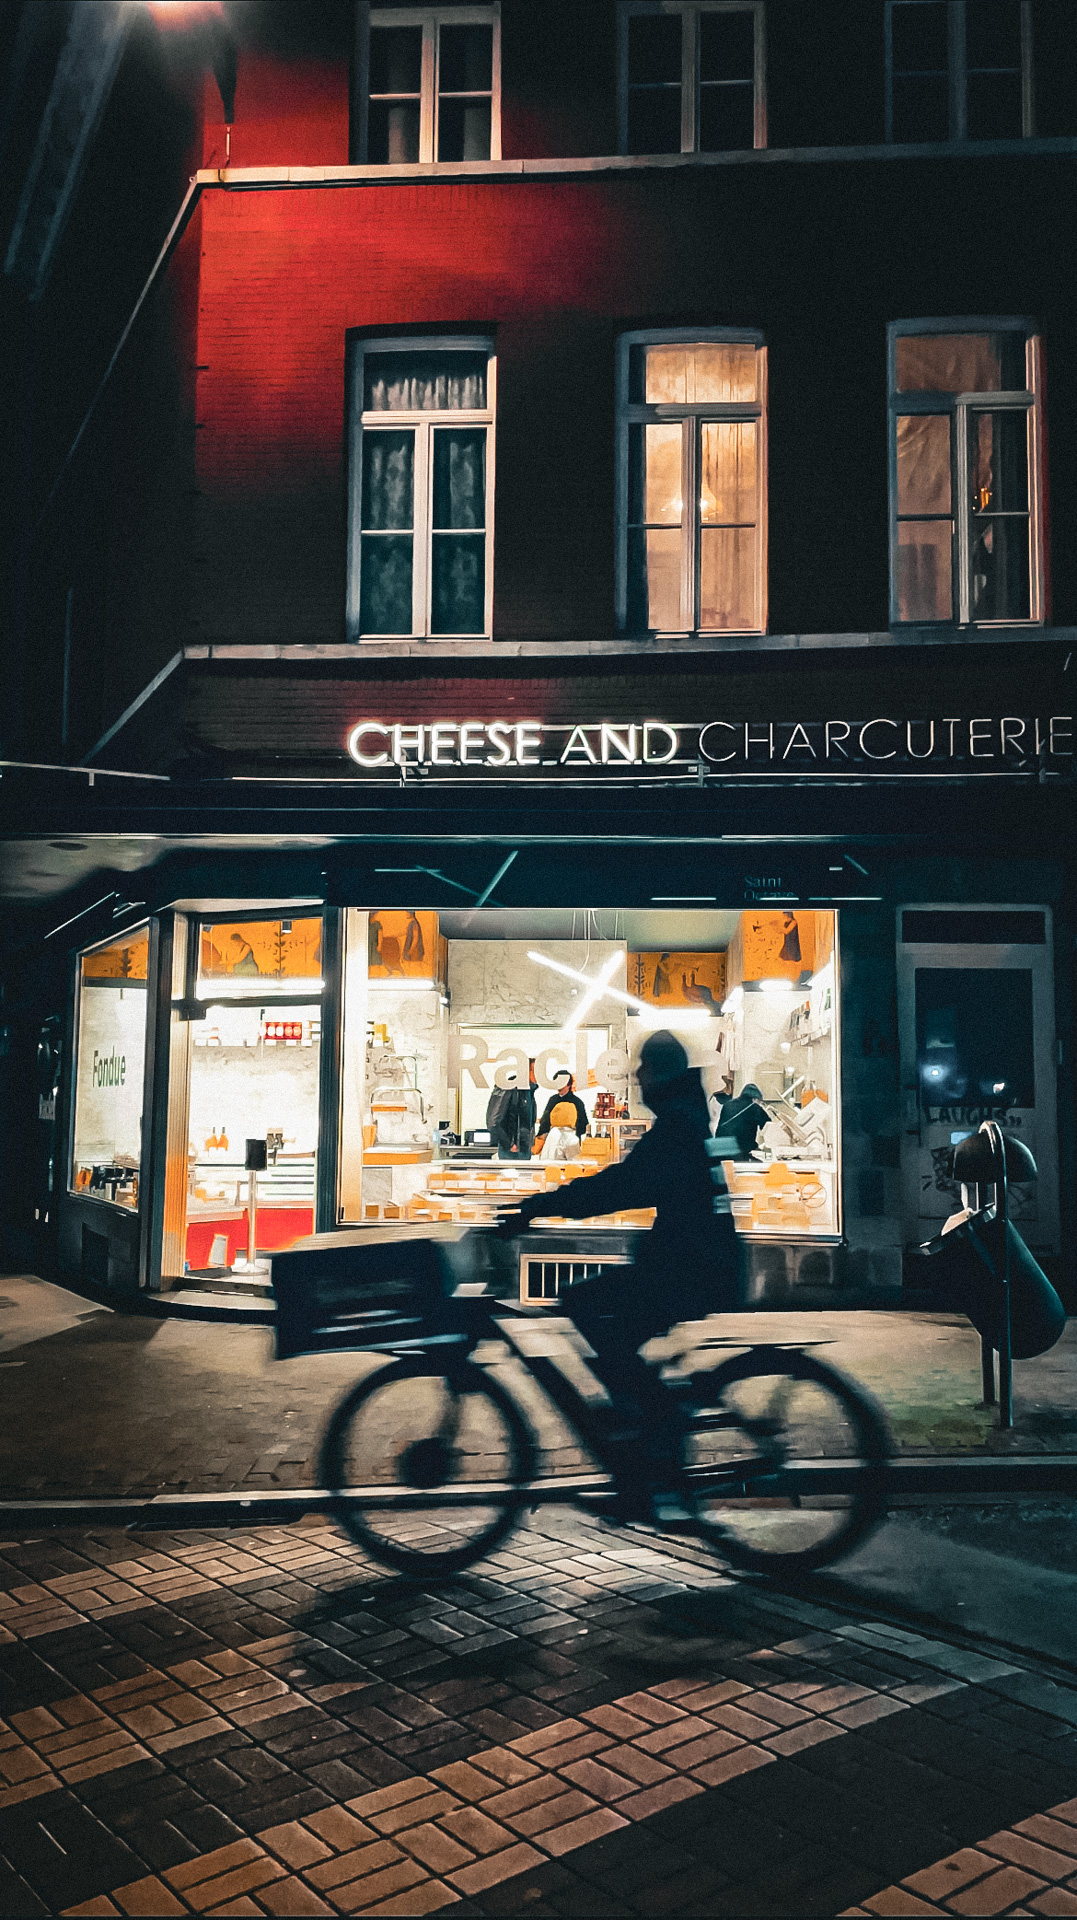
x=685, y=1268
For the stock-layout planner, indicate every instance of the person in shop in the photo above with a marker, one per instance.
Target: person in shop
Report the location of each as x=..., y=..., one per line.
x=685, y=1268
x=510, y=1118
x=564, y=1094
x=743, y=1116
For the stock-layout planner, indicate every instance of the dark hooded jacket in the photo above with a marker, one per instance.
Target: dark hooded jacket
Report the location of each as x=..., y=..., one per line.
x=691, y=1251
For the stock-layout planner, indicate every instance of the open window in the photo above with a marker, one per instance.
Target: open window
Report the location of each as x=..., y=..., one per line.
x=965, y=473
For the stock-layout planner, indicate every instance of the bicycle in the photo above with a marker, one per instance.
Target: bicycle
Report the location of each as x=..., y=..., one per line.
x=430, y=1460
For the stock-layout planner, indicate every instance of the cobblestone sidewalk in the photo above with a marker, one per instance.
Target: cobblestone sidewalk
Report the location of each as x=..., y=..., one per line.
x=588, y=1723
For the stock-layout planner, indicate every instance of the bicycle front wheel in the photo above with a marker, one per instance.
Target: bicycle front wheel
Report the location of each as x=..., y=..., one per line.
x=786, y=1464
x=427, y=1465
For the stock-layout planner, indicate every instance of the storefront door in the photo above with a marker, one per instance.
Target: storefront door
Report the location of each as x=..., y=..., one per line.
x=976, y=1009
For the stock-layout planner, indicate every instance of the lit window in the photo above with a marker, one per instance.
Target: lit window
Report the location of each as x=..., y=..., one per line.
x=434, y=85
x=958, y=69
x=692, y=76
x=422, y=433
x=692, y=483
x=965, y=474
x=110, y=1064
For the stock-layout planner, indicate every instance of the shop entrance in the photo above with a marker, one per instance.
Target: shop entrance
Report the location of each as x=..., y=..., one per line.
x=976, y=1010
x=253, y=1095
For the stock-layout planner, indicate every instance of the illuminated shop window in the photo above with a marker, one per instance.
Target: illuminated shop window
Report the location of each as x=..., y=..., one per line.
x=422, y=475
x=434, y=85
x=692, y=483
x=958, y=69
x=965, y=456
x=110, y=1061
x=691, y=76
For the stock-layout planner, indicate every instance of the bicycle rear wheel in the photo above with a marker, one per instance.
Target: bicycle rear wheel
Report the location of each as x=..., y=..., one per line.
x=786, y=1464
x=427, y=1464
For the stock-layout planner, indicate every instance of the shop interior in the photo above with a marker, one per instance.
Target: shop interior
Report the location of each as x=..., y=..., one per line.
x=484, y=1053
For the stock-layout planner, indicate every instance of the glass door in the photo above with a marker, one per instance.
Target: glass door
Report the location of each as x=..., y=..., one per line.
x=977, y=1043
x=253, y=1095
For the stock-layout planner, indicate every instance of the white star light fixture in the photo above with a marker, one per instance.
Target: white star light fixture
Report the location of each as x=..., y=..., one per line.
x=603, y=988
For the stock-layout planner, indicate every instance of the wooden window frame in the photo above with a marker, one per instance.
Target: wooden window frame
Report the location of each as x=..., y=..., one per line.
x=424, y=423
x=635, y=413
x=690, y=12
x=959, y=406
x=431, y=20
x=957, y=69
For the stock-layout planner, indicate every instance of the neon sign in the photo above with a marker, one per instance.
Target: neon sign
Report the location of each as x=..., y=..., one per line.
x=881, y=744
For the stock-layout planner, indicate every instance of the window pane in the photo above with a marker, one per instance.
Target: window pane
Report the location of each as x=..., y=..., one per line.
x=396, y=59
x=458, y=588
x=728, y=477
x=110, y=1069
x=654, y=49
x=466, y=56
x=993, y=33
x=393, y=133
x=388, y=479
x=1000, y=571
x=726, y=118
x=423, y=382
x=654, y=120
x=679, y=375
x=999, y=462
x=994, y=106
x=654, y=480
x=960, y=362
x=924, y=570
x=654, y=579
x=919, y=37
x=923, y=463
x=460, y=479
x=974, y=1030
x=727, y=568
x=385, y=583
x=921, y=107
x=463, y=129
x=726, y=46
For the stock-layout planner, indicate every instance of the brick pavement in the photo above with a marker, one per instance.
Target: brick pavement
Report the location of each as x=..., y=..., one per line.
x=139, y=1406
x=590, y=1722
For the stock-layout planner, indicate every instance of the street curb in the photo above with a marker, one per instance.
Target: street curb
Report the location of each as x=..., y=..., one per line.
x=929, y=1475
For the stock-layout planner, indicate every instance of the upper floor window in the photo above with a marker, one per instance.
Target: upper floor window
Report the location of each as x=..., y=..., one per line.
x=965, y=458
x=692, y=76
x=434, y=85
x=692, y=482
x=958, y=69
x=420, y=558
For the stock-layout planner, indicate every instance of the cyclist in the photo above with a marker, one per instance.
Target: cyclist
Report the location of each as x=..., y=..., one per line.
x=685, y=1268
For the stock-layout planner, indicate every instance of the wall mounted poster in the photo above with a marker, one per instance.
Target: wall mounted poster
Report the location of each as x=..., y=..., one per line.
x=777, y=944
x=403, y=945
x=678, y=979
x=285, y=949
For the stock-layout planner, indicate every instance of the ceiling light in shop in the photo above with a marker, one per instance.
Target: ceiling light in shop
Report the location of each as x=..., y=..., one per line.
x=584, y=980
x=656, y=1018
x=594, y=993
x=402, y=986
x=776, y=986
x=255, y=987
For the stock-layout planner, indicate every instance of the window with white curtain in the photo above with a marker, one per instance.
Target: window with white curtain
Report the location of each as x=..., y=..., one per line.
x=433, y=85
x=692, y=482
x=420, y=561
x=692, y=76
x=965, y=466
